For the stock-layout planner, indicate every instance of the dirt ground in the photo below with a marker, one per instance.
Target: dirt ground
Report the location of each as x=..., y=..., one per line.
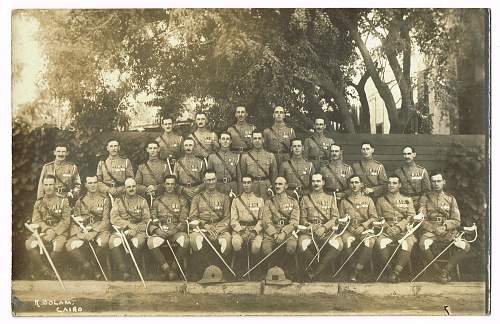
x=186, y=304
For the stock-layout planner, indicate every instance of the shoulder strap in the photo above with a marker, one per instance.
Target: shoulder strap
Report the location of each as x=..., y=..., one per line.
x=58, y=178
x=365, y=175
x=225, y=165
x=316, y=206
x=109, y=173
x=283, y=215
x=258, y=164
x=408, y=180
x=126, y=207
x=247, y=208
x=237, y=131
x=202, y=195
x=152, y=173
x=167, y=207
x=392, y=205
x=319, y=146
x=296, y=173
x=163, y=140
x=186, y=170
x=278, y=138
x=199, y=142
x=84, y=204
x=436, y=207
x=341, y=185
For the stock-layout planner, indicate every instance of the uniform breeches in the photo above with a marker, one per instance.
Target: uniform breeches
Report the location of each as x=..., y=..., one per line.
x=384, y=240
x=427, y=239
x=57, y=244
x=238, y=239
x=268, y=244
x=305, y=242
x=180, y=238
x=348, y=240
x=138, y=241
x=101, y=240
x=223, y=241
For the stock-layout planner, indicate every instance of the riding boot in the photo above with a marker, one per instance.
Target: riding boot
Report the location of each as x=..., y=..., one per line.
x=428, y=257
x=119, y=261
x=326, y=261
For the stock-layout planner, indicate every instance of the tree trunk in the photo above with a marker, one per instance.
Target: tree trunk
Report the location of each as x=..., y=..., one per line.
x=364, y=117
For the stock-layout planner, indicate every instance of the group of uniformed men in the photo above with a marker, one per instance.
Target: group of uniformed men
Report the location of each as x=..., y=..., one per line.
x=245, y=193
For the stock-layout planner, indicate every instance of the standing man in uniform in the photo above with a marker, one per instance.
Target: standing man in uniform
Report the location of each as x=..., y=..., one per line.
x=169, y=214
x=112, y=172
x=318, y=211
x=297, y=171
x=205, y=140
x=92, y=211
x=414, y=178
x=150, y=175
x=212, y=209
x=441, y=221
x=225, y=164
x=241, y=132
x=281, y=217
x=51, y=219
x=246, y=220
x=363, y=213
x=130, y=213
x=260, y=165
x=170, y=143
x=189, y=171
x=317, y=146
x=65, y=173
x=277, y=138
x=397, y=211
x=371, y=172
x=336, y=173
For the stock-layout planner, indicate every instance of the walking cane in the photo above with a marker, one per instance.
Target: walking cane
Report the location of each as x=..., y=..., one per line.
x=90, y=245
x=127, y=247
x=457, y=238
x=42, y=246
x=369, y=233
x=409, y=232
x=347, y=220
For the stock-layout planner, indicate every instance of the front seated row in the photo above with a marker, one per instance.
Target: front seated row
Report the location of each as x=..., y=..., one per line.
x=310, y=240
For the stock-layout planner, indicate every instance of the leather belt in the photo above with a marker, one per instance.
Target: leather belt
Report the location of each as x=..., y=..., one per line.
x=281, y=222
x=260, y=178
x=225, y=180
x=189, y=184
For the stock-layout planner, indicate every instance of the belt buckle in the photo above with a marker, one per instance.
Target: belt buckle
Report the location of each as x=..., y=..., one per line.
x=189, y=184
x=355, y=221
x=241, y=149
x=298, y=188
x=225, y=180
x=439, y=219
x=91, y=220
x=281, y=222
x=60, y=190
x=395, y=219
x=169, y=220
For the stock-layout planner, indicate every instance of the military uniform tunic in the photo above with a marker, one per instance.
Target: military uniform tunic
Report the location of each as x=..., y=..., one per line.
x=94, y=208
x=297, y=172
x=225, y=164
x=66, y=174
x=170, y=147
x=131, y=213
x=362, y=211
x=317, y=150
x=51, y=213
x=153, y=172
x=263, y=179
x=241, y=136
x=113, y=172
x=246, y=216
x=373, y=175
x=189, y=171
x=281, y=215
x=206, y=142
x=277, y=140
x=336, y=175
x=414, y=181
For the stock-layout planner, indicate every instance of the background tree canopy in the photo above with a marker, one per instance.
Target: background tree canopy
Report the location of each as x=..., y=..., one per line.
x=311, y=61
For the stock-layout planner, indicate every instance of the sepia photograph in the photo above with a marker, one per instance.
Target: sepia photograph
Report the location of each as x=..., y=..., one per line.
x=250, y=161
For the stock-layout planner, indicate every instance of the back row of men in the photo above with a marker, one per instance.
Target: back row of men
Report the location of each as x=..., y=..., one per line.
x=199, y=185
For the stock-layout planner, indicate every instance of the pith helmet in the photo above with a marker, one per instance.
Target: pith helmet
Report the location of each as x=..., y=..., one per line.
x=212, y=274
x=276, y=276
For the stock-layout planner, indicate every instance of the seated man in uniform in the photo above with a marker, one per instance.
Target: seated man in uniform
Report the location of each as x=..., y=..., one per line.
x=319, y=212
x=297, y=171
x=441, y=222
x=129, y=214
x=361, y=209
x=397, y=211
x=211, y=209
x=280, y=218
x=112, y=172
x=92, y=212
x=169, y=215
x=246, y=220
x=51, y=218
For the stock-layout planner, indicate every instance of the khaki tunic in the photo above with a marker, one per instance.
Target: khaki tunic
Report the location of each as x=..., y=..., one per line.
x=206, y=142
x=213, y=210
x=227, y=172
x=373, y=175
x=303, y=168
x=317, y=150
x=327, y=214
x=118, y=167
x=172, y=211
x=262, y=180
x=170, y=146
x=66, y=173
x=131, y=212
x=439, y=208
x=281, y=214
x=241, y=137
x=155, y=176
x=336, y=176
x=242, y=216
x=414, y=180
x=277, y=140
